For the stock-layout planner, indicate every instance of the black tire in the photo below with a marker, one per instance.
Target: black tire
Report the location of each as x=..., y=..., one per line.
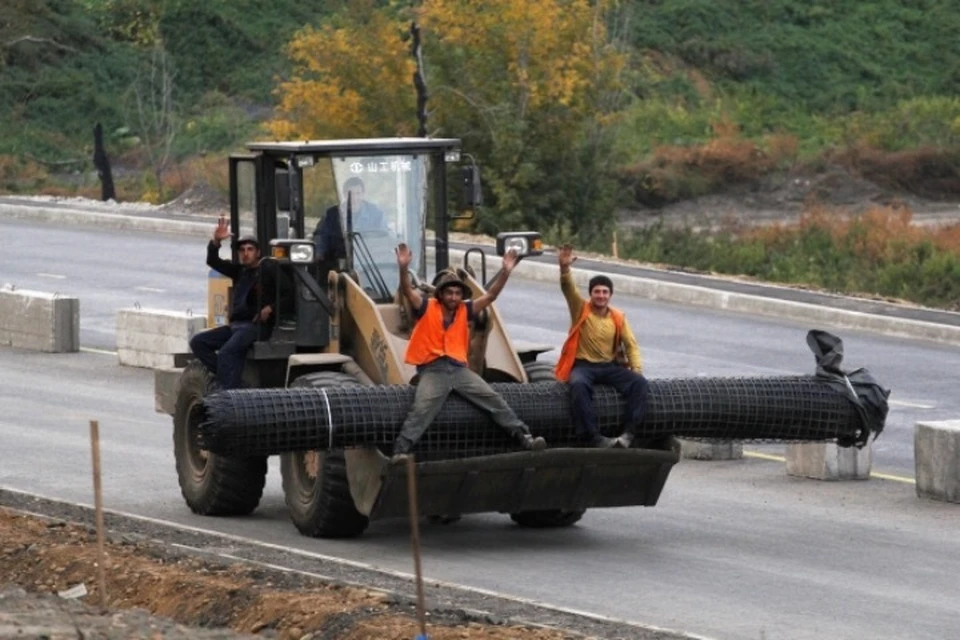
x=546, y=518
x=315, y=485
x=212, y=485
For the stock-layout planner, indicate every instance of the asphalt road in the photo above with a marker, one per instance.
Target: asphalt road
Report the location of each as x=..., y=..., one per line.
x=733, y=550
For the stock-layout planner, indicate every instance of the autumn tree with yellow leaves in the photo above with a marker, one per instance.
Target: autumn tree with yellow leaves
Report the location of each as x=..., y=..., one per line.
x=530, y=87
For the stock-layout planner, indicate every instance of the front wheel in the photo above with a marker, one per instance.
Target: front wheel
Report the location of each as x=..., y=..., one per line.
x=211, y=484
x=315, y=484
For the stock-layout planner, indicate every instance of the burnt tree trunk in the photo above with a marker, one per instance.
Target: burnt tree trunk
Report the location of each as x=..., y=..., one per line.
x=102, y=163
x=419, y=81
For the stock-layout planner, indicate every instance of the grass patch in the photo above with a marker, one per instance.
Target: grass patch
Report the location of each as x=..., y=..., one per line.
x=878, y=253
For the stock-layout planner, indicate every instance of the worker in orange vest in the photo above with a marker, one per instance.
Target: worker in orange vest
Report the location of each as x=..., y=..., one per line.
x=600, y=349
x=438, y=347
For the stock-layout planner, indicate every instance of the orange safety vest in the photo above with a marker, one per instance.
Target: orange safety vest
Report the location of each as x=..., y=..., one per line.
x=569, y=352
x=430, y=340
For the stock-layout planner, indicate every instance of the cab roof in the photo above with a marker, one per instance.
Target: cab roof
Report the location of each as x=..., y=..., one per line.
x=355, y=147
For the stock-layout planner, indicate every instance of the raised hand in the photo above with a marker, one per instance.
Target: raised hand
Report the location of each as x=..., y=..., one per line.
x=565, y=257
x=510, y=259
x=222, y=232
x=404, y=256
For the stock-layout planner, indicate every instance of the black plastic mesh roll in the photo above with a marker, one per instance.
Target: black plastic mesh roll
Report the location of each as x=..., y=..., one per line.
x=271, y=421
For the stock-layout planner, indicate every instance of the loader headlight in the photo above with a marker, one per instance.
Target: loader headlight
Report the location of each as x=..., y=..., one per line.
x=301, y=253
x=526, y=243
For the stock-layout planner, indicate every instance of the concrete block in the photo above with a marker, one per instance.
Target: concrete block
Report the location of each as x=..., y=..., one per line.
x=697, y=450
x=39, y=321
x=827, y=461
x=162, y=322
x=936, y=453
x=153, y=343
x=144, y=359
x=148, y=337
x=166, y=384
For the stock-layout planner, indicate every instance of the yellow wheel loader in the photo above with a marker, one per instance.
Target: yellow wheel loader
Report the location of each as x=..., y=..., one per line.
x=331, y=213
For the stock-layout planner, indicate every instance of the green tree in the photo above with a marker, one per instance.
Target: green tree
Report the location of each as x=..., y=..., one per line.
x=530, y=87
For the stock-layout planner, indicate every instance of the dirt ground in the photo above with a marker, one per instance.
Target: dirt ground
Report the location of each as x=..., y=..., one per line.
x=154, y=592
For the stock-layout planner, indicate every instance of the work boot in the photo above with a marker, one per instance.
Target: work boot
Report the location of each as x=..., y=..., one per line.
x=603, y=442
x=531, y=443
x=625, y=441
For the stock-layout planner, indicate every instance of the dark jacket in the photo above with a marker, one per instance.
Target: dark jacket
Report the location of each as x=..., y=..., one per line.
x=329, y=234
x=253, y=287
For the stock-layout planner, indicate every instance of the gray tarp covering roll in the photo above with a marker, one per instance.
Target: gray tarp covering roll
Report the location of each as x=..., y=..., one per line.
x=827, y=406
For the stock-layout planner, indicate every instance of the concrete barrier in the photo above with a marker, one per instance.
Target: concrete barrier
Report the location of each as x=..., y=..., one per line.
x=63, y=213
x=148, y=337
x=39, y=321
x=936, y=452
x=827, y=461
x=166, y=385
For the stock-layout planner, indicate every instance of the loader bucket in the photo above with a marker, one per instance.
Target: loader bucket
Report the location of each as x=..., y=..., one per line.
x=564, y=479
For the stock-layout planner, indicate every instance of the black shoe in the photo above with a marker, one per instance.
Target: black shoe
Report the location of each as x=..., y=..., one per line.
x=625, y=441
x=603, y=442
x=531, y=443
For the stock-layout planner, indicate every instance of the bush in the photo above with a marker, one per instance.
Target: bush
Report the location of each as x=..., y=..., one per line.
x=675, y=173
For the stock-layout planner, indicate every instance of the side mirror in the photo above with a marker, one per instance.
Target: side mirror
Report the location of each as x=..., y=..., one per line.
x=527, y=243
x=472, y=191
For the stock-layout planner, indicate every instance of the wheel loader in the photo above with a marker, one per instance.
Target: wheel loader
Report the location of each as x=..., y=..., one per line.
x=341, y=321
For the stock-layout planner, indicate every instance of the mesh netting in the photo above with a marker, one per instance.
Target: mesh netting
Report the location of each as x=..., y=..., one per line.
x=270, y=421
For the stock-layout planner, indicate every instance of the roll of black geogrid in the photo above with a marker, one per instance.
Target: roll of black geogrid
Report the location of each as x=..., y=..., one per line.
x=270, y=421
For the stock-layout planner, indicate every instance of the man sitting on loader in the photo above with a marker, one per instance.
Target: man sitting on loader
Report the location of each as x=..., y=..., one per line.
x=223, y=350
x=600, y=349
x=438, y=347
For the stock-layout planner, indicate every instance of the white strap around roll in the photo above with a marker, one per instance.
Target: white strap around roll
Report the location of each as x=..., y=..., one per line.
x=326, y=401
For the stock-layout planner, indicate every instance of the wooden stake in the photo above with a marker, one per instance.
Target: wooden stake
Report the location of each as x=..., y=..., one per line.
x=98, y=506
x=613, y=247
x=415, y=543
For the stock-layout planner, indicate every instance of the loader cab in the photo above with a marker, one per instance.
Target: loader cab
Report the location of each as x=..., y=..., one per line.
x=338, y=206
x=384, y=191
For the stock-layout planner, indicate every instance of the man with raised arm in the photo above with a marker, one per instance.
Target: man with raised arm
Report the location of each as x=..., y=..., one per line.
x=598, y=332
x=438, y=348
x=224, y=349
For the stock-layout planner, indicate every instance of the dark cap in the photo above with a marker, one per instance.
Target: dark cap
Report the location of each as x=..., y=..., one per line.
x=242, y=240
x=449, y=279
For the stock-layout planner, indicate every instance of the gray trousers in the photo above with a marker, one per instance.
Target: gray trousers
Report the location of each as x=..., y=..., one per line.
x=437, y=380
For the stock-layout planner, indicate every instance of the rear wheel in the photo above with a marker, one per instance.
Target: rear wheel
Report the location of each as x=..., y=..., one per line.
x=315, y=484
x=211, y=484
x=545, y=518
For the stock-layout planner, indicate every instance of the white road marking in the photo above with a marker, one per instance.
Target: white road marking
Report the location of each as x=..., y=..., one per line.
x=911, y=405
x=100, y=351
x=55, y=276
x=150, y=289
